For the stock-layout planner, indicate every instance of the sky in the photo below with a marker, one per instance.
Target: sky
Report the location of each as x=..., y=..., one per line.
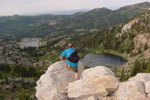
x=11, y=7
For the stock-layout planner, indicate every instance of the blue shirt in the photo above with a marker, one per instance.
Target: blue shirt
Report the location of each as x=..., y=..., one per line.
x=67, y=53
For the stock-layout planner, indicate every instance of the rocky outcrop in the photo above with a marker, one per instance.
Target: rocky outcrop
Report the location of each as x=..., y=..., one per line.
x=52, y=85
x=136, y=88
x=141, y=77
x=98, y=83
x=145, y=79
x=131, y=91
x=147, y=88
x=98, y=71
x=141, y=42
x=129, y=25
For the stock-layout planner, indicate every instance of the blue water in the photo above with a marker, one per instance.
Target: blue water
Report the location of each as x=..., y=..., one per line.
x=92, y=60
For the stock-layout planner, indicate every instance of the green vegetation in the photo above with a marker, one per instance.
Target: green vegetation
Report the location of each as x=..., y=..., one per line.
x=140, y=67
x=124, y=76
x=104, y=40
x=14, y=77
x=23, y=95
x=7, y=70
x=86, y=67
x=110, y=38
x=60, y=25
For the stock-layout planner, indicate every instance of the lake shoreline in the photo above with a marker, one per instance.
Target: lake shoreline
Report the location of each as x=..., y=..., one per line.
x=102, y=59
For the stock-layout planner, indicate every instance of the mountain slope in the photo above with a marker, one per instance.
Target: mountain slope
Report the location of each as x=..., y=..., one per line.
x=130, y=41
x=60, y=25
x=102, y=17
x=127, y=12
x=132, y=37
x=92, y=19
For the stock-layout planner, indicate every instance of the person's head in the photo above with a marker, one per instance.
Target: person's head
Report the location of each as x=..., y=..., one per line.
x=70, y=45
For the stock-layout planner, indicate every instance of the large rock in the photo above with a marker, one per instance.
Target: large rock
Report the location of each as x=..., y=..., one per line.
x=89, y=98
x=52, y=85
x=145, y=78
x=98, y=81
x=142, y=77
x=147, y=88
x=98, y=71
x=136, y=88
x=131, y=90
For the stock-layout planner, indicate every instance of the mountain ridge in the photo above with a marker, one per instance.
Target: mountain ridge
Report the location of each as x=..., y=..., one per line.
x=56, y=12
x=59, y=25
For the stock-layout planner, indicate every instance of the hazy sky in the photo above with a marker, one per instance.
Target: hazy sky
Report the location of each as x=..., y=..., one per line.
x=10, y=7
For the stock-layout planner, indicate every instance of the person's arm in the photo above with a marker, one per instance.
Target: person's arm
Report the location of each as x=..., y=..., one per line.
x=63, y=54
x=61, y=58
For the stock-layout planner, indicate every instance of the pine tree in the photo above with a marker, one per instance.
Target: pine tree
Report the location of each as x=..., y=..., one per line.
x=23, y=95
x=122, y=77
x=136, y=68
x=147, y=70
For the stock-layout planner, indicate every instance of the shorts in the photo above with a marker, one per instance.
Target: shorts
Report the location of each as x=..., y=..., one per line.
x=75, y=69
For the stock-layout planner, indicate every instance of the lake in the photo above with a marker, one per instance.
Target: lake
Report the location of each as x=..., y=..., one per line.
x=103, y=59
x=30, y=42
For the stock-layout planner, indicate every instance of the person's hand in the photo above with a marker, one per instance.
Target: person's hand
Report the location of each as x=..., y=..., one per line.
x=61, y=58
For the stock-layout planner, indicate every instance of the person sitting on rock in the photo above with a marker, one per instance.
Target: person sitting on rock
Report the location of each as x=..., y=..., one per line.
x=72, y=59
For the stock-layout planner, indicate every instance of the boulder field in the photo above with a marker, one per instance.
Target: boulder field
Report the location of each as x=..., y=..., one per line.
x=97, y=83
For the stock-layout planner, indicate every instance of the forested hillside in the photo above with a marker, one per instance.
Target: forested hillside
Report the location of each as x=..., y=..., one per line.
x=58, y=25
x=131, y=37
x=130, y=40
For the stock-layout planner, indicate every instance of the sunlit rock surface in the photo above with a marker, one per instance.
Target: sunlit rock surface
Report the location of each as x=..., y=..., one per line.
x=98, y=83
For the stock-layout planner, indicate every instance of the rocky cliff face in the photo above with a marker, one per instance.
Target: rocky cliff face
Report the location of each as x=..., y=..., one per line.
x=140, y=28
x=98, y=83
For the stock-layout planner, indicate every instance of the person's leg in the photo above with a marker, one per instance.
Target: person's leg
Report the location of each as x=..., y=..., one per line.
x=76, y=76
x=75, y=69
